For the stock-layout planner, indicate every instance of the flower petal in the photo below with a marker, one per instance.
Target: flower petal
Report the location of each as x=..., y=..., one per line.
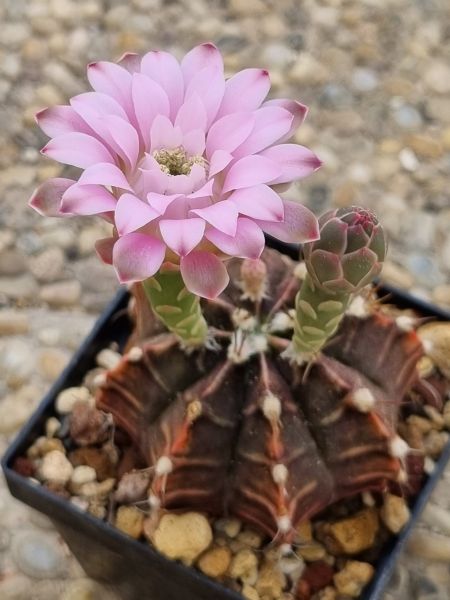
x=200, y=57
x=297, y=110
x=191, y=115
x=295, y=161
x=204, y=192
x=271, y=124
x=92, y=105
x=46, y=199
x=104, y=249
x=112, y=80
x=247, y=243
x=229, y=132
x=204, y=274
x=87, y=200
x=130, y=61
x=221, y=215
x=194, y=142
x=124, y=137
x=137, y=256
x=149, y=100
x=57, y=120
x=219, y=161
x=258, y=202
x=186, y=184
x=77, y=149
x=131, y=214
x=164, y=68
x=250, y=171
x=163, y=134
x=245, y=91
x=160, y=202
x=104, y=174
x=209, y=85
x=299, y=225
x=182, y=235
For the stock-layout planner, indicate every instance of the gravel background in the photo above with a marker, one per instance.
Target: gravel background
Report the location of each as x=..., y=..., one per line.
x=376, y=76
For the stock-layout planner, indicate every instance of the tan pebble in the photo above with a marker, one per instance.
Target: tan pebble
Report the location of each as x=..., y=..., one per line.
x=434, y=443
x=108, y=359
x=97, y=509
x=304, y=532
x=55, y=468
x=182, y=537
x=353, y=577
x=249, y=592
x=425, y=366
x=446, y=414
x=435, y=417
x=328, y=593
x=243, y=564
x=231, y=527
x=424, y=425
x=394, y=513
x=436, y=340
x=96, y=489
x=67, y=399
x=312, y=552
x=44, y=445
x=130, y=520
x=412, y=435
x=250, y=538
x=80, y=476
x=356, y=533
x=52, y=426
x=215, y=562
x=271, y=581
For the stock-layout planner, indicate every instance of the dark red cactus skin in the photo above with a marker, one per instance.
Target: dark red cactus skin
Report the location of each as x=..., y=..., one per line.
x=266, y=441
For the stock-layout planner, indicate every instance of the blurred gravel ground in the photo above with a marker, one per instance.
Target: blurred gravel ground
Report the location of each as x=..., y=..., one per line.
x=376, y=75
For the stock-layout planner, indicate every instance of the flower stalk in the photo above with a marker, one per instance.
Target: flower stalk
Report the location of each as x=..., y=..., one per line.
x=176, y=307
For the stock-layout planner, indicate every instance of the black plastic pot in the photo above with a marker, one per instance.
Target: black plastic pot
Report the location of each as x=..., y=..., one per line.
x=134, y=569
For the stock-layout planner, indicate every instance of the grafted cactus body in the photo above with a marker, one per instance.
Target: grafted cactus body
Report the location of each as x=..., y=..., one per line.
x=256, y=438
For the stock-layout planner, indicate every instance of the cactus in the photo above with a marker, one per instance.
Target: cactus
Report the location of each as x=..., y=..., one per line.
x=238, y=429
x=348, y=255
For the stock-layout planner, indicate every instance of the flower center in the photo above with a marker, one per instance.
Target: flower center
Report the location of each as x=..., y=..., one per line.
x=176, y=161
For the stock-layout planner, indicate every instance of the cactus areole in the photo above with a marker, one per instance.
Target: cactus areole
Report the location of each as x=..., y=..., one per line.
x=252, y=385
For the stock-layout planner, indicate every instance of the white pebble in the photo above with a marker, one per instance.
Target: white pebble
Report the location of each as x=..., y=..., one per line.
x=108, y=359
x=55, y=468
x=67, y=399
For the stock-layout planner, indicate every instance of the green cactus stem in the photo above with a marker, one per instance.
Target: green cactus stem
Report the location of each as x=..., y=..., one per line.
x=348, y=255
x=178, y=309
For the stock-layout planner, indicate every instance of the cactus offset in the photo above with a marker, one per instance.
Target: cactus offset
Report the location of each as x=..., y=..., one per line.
x=348, y=255
x=245, y=433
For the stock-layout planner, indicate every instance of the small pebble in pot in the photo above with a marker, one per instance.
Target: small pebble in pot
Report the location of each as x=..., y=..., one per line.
x=215, y=561
x=353, y=577
x=182, y=537
x=130, y=520
x=88, y=425
x=108, y=359
x=55, y=468
x=394, y=513
x=67, y=399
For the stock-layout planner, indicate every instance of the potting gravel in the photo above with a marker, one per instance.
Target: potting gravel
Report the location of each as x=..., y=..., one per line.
x=376, y=76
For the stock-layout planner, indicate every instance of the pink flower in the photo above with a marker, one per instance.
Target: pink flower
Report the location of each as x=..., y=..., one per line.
x=185, y=164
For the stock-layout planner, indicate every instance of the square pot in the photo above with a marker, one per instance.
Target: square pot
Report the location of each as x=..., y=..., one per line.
x=134, y=568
